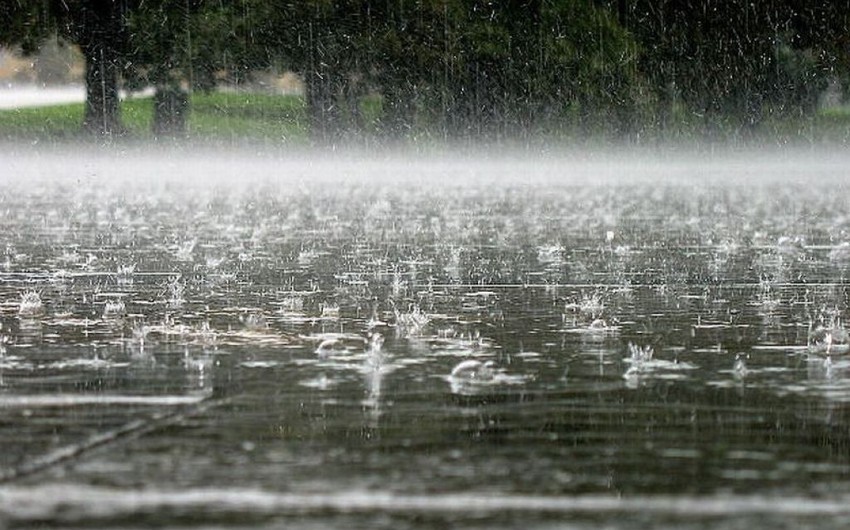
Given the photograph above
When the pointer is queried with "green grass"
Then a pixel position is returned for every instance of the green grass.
(241, 117)
(217, 116)
(52, 122)
(246, 116)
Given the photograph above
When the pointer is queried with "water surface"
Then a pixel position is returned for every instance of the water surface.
(222, 341)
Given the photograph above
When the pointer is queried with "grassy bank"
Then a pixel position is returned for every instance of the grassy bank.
(239, 117)
(217, 116)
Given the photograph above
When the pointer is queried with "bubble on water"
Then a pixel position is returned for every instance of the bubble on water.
(329, 344)
(473, 370)
(320, 382)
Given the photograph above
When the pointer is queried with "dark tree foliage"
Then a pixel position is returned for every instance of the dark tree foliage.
(26, 24)
(736, 59)
(458, 68)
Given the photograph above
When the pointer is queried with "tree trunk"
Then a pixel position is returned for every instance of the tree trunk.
(323, 107)
(101, 33)
(398, 111)
(102, 115)
(171, 107)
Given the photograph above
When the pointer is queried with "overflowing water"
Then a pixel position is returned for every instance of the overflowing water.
(229, 341)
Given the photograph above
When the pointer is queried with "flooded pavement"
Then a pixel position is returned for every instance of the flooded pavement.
(310, 348)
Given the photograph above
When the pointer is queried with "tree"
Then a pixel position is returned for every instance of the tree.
(187, 45)
(737, 61)
(162, 56)
(459, 68)
(98, 27)
(510, 69)
(327, 42)
(172, 45)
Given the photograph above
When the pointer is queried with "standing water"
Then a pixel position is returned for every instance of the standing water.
(249, 341)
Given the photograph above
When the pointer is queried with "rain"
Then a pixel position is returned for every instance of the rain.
(424, 264)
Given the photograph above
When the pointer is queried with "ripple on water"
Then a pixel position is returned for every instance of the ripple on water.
(76, 502)
(78, 400)
(812, 376)
(473, 376)
(320, 382)
(84, 363)
(260, 364)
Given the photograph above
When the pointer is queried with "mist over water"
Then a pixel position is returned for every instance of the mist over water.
(186, 165)
(629, 339)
